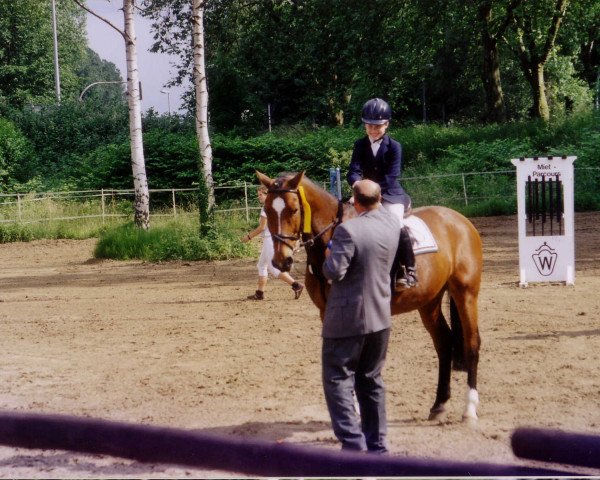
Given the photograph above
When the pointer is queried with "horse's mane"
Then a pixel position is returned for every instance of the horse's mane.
(283, 176)
(348, 209)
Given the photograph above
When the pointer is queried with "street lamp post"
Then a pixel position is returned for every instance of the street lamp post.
(168, 94)
(98, 83)
(56, 65)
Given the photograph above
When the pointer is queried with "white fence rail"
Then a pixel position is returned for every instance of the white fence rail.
(453, 189)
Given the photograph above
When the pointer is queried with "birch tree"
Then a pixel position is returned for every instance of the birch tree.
(138, 163)
(179, 23)
(207, 198)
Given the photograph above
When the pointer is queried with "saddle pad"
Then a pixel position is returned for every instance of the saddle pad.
(423, 241)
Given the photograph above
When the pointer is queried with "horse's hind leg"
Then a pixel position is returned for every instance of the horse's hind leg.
(466, 308)
(435, 323)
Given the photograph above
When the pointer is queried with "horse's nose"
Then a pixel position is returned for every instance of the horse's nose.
(288, 263)
(285, 265)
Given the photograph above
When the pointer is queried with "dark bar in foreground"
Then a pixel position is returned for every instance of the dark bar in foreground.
(557, 446)
(193, 449)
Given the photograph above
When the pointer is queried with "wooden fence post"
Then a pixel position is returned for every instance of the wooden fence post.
(174, 204)
(246, 201)
(49, 204)
(19, 206)
(102, 204)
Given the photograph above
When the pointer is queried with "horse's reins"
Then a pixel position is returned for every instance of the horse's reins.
(306, 221)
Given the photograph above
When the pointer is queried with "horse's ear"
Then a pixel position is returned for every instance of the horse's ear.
(262, 178)
(294, 182)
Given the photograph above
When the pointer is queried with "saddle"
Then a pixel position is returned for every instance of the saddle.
(422, 238)
(415, 238)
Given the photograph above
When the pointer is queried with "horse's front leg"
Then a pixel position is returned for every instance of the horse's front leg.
(317, 289)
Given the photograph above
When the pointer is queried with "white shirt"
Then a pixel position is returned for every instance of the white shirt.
(266, 232)
(375, 146)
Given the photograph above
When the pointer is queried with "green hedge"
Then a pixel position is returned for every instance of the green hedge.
(172, 156)
(15, 150)
(236, 159)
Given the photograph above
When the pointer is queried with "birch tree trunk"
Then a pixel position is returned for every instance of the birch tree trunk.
(206, 190)
(138, 164)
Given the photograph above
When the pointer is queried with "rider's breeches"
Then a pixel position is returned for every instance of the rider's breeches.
(264, 264)
(396, 209)
(405, 254)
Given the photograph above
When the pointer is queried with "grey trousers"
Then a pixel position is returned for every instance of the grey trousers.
(354, 364)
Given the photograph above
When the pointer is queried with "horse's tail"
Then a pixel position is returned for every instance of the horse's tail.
(458, 350)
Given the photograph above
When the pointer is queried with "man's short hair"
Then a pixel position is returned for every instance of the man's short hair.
(262, 189)
(367, 193)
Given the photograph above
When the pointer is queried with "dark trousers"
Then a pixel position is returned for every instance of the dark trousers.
(355, 364)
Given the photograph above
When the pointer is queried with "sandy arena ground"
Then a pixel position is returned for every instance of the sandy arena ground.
(177, 344)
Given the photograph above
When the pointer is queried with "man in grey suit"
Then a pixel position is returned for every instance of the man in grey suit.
(356, 326)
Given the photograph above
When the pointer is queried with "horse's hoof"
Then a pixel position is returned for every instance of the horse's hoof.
(435, 416)
(470, 414)
(470, 421)
(436, 413)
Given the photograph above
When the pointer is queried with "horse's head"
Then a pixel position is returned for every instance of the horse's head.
(284, 210)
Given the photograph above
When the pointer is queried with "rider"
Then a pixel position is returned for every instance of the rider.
(378, 157)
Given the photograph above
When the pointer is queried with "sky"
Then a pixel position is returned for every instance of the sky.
(155, 69)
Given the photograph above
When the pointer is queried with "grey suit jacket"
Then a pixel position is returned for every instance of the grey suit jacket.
(362, 253)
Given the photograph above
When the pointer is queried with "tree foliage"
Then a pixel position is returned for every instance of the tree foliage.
(311, 63)
(317, 61)
(15, 150)
(26, 51)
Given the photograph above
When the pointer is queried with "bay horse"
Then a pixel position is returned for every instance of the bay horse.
(301, 213)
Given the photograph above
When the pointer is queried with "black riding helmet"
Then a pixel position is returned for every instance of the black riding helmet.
(376, 112)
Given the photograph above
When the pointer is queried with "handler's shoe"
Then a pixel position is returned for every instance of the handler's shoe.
(258, 295)
(297, 288)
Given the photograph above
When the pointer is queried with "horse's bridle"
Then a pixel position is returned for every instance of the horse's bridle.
(299, 236)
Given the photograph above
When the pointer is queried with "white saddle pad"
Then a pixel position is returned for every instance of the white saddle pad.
(423, 241)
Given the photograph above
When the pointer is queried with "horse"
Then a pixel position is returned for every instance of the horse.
(300, 213)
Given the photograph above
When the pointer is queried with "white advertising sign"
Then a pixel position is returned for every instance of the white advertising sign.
(546, 219)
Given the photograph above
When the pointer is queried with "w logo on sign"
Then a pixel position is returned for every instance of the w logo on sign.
(545, 259)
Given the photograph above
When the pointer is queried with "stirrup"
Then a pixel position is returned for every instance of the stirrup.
(409, 280)
(258, 295)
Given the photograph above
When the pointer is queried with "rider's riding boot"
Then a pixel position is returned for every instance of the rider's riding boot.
(407, 262)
